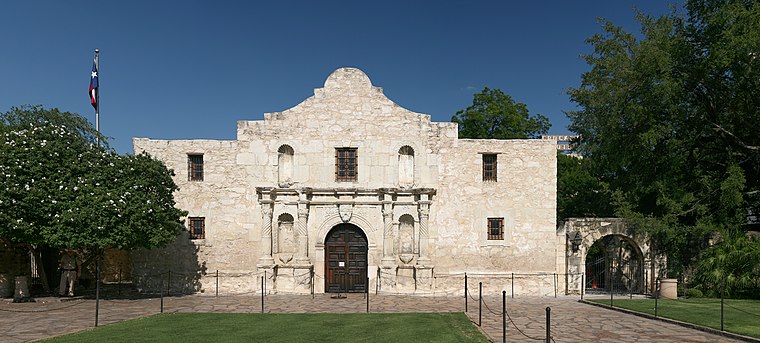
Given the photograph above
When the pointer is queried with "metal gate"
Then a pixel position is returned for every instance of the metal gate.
(614, 265)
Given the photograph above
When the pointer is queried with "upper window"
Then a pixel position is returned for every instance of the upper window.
(195, 167)
(489, 167)
(197, 227)
(406, 166)
(345, 164)
(495, 228)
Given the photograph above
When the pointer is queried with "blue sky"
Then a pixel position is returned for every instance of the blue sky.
(191, 69)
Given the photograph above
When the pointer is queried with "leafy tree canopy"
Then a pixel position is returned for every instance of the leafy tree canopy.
(671, 120)
(579, 193)
(495, 115)
(61, 189)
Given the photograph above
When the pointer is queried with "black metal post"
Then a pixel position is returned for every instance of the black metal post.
(465, 292)
(656, 296)
(513, 285)
(311, 270)
(366, 289)
(217, 282)
(262, 291)
(118, 287)
(504, 316)
(548, 324)
(169, 284)
(480, 302)
(611, 290)
(161, 291)
(97, 290)
(721, 310)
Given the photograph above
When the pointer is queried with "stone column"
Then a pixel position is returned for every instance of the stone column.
(424, 214)
(388, 259)
(266, 259)
(302, 256)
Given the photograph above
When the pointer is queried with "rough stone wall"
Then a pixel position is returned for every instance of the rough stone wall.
(349, 112)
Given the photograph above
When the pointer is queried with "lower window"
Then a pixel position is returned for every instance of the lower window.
(197, 227)
(495, 228)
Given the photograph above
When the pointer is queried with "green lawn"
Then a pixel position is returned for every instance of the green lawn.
(244, 327)
(739, 316)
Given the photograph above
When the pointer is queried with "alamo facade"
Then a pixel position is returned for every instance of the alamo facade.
(348, 192)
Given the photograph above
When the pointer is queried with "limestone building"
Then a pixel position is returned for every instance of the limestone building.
(348, 191)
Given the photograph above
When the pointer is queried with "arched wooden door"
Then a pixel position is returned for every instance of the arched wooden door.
(346, 260)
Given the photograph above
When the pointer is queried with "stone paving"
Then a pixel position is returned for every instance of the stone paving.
(571, 321)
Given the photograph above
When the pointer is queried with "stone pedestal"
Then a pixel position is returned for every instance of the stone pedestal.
(424, 279)
(293, 279)
(387, 279)
(268, 273)
(405, 279)
(669, 288)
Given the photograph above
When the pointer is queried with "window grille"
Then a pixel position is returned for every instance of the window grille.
(345, 164)
(495, 228)
(489, 167)
(195, 167)
(197, 227)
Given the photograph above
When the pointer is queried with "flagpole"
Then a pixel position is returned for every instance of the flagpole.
(97, 98)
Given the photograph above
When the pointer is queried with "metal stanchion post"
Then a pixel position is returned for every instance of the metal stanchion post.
(169, 284)
(217, 282)
(161, 291)
(513, 285)
(262, 291)
(97, 290)
(583, 285)
(465, 292)
(612, 289)
(480, 302)
(656, 296)
(366, 289)
(118, 287)
(504, 316)
(721, 310)
(548, 324)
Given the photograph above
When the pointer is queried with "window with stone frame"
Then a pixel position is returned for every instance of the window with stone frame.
(194, 167)
(495, 228)
(197, 227)
(489, 167)
(346, 167)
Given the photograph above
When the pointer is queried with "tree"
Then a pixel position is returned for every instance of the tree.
(671, 122)
(61, 189)
(495, 115)
(579, 193)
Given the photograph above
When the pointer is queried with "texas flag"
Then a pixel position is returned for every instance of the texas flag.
(94, 86)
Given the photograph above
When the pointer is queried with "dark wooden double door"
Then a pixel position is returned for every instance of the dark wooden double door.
(346, 260)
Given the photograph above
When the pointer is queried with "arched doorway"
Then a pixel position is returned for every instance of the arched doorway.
(346, 259)
(615, 264)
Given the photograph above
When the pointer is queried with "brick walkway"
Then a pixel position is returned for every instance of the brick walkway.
(571, 320)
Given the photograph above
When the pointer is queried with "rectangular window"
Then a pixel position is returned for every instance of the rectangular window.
(345, 164)
(195, 167)
(489, 167)
(197, 227)
(495, 228)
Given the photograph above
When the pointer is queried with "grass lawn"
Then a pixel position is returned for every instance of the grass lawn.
(244, 327)
(739, 316)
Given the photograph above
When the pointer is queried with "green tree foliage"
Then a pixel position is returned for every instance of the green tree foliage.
(59, 188)
(671, 120)
(579, 193)
(495, 115)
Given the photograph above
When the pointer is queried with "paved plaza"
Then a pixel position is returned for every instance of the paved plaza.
(571, 321)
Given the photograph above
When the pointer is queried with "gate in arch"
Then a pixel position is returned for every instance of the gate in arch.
(346, 249)
(608, 256)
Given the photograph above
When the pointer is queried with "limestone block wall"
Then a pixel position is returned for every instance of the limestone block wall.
(524, 195)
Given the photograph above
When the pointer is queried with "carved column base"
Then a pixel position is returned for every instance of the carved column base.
(267, 272)
(388, 262)
(424, 262)
(387, 279)
(424, 278)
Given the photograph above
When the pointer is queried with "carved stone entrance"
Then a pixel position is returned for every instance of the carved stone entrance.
(346, 260)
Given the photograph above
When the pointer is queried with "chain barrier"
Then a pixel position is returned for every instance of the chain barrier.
(485, 303)
(743, 311)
